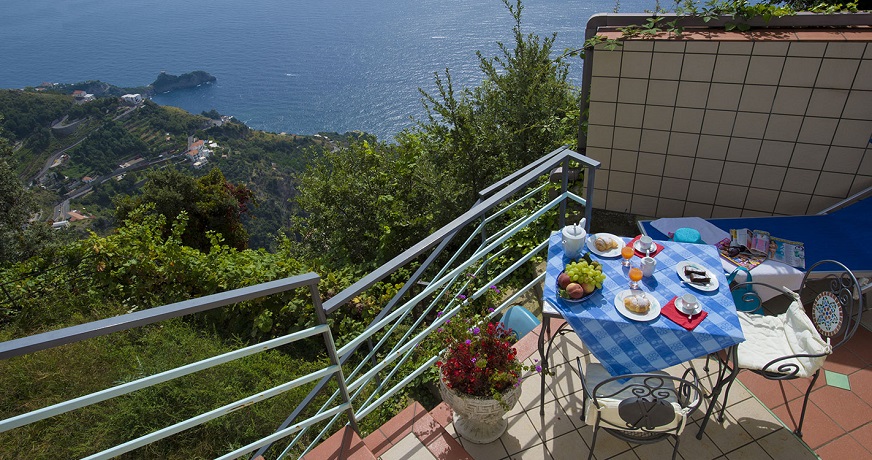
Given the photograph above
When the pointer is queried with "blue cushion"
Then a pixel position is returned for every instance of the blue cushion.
(687, 235)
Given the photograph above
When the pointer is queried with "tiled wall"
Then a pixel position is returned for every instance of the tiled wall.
(725, 127)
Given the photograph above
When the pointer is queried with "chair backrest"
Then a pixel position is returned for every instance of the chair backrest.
(649, 402)
(519, 320)
(830, 302)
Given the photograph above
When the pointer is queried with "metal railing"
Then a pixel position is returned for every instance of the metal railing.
(383, 353)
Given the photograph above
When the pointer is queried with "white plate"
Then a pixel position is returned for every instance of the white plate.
(638, 246)
(652, 313)
(711, 286)
(679, 305)
(611, 252)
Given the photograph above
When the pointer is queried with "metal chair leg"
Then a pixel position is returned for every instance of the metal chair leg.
(593, 441)
(814, 378)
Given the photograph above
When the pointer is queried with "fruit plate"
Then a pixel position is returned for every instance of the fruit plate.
(652, 313)
(563, 295)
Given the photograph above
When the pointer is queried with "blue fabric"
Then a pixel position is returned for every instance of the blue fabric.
(628, 347)
(833, 236)
(519, 320)
(687, 235)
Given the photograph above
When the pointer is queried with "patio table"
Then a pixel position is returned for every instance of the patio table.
(624, 346)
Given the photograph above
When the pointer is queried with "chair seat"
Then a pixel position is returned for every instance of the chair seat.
(768, 338)
(609, 407)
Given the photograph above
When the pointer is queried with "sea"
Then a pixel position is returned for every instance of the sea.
(291, 66)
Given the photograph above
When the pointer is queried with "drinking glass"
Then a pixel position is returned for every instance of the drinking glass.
(635, 276)
(627, 254)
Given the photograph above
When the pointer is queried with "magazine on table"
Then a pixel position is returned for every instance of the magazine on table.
(750, 248)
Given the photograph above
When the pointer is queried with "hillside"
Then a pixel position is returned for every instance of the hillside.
(83, 155)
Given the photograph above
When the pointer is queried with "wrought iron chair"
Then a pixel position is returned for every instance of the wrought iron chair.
(795, 344)
(638, 408)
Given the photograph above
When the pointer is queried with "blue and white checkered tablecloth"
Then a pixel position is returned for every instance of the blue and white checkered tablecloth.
(624, 346)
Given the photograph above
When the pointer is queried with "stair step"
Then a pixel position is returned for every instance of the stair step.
(429, 432)
(343, 445)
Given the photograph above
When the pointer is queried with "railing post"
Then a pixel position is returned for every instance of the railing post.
(564, 186)
(331, 353)
(589, 176)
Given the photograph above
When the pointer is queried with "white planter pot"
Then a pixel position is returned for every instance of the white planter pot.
(478, 419)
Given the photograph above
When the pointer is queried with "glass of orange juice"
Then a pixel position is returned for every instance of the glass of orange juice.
(635, 275)
(627, 254)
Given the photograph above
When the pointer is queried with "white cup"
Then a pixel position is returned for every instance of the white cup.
(648, 265)
(645, 243)
(689, 303)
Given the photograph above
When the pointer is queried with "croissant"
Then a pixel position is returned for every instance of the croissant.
(637, 303)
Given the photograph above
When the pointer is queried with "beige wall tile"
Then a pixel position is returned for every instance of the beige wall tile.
(662, 92)
(852, 50)
(860, 183)
(844, 159)
(606, 63)
(720, 212)
(837, 73)
(817, 130)
(791, 100)
(604, 89)
(663, 46)
(692, 94)
(770, 48)
(768, 177)
(743, 150)
(629, 115)
(702, 47)
(724, 96)
(678, 167)
(819, 203)
(864, 75)
(698, 210)
(702, 192)
(698, 67)
(627, 138)
(621, 181)
(635, 65)
(624, 160)
(737, 173)
(644, 205)
(658, 117)
(750, 125)
(761, 199)
(632, 90)
(687, 120)
(866, 164)
(674, 188)
(792, 204)
(651, 163)
(835, 185)
(809, 156)
(601, 180)
(718, 122)
(647, 185)
(868, 54)
(775, 153)
(750, 213)
(756, 98)
(743, 48)
(730, 68)
(707, 170)
(638, 45)
(859, 105)
(800, 71)
(783, 127)
(683, 144)
(713, 147)
(731, 196)
(599, 136)
(827, 102)
(617, 201)
(853, 133)
(666, 66)
(800, 180)
(764, 70)
(602, 113)
(654, 141)
(807, 49)
(670, 208)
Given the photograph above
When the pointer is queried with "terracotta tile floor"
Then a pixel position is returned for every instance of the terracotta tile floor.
(758, 422)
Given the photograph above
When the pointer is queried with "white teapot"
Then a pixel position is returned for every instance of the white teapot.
(574, 237)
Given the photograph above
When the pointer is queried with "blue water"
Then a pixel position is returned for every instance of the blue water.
(282, 65)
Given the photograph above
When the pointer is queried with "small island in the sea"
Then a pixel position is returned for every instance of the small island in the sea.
(163, 83)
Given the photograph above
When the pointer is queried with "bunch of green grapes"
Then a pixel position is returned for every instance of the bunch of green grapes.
(586, 272)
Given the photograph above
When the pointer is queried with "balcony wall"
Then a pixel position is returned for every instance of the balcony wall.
(724, 124)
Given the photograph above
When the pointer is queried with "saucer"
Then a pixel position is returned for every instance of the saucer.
(638, 246)
(680, 306)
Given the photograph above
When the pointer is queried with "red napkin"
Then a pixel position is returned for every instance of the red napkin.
(642, 254)
(670, 311)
